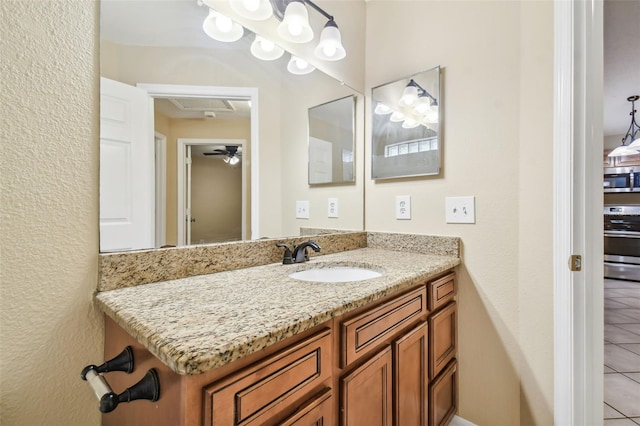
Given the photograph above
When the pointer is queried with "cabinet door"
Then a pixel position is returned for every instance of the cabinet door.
(442, 338)
(318, 412)
(444, 396)
(268, 389)
(410, 358)
(441, 291)
(366, 393)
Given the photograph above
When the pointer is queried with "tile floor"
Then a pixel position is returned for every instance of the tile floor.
(621, 353)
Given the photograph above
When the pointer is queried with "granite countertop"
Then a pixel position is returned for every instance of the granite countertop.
(200, 323)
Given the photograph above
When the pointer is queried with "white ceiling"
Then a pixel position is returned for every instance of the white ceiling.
(179, 23)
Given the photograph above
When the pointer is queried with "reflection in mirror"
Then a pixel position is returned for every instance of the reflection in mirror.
(162, 43)
(406, 137)
(331, 142)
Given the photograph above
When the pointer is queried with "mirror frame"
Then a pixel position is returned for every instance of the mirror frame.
(354, 100)
(397, 171)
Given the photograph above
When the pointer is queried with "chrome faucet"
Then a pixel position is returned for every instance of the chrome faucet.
(299, 253)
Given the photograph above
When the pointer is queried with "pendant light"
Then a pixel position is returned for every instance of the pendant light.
(330, 46)
(257, 10)
(295, 26)
(299, 66)
(633, 134)
(265, 49)
(222, 28)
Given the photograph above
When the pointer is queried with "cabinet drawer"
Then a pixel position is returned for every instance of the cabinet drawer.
(318, 412)
(363, 333)
(441, 291)
(271, 387)
(443, 391)
(442, 338)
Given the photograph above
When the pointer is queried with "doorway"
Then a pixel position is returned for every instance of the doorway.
(212, 191)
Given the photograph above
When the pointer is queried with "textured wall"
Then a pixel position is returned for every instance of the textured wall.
(49, 234)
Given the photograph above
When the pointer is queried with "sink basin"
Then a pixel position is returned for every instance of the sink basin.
(335, 274)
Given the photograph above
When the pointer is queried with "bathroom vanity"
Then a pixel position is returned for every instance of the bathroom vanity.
(256, 347)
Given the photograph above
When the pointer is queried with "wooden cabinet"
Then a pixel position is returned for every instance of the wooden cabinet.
(367, 393)
(268, 389)
(391, 362)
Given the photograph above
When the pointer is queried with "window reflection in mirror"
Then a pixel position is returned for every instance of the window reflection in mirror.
(331, 142)
(406, 137)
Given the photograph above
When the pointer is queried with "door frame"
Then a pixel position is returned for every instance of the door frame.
(239, 93)
(577, 212)
(182, 150)
(161, 188)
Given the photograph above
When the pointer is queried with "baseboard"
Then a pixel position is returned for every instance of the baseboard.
(459, 421)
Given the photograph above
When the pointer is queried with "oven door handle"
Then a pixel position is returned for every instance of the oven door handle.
(606, 234)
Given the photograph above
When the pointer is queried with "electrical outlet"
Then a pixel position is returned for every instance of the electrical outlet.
(302, 209)
(460, 209)
(332, 207)
(403, 207)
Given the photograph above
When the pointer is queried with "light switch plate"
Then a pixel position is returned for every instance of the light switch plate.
(403, 207)
(302, 209)
(460, 209)
(332, 207)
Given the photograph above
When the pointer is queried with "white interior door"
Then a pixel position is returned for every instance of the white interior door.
(126, 168)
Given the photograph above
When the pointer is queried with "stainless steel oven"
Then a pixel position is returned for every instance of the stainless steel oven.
(622, 242)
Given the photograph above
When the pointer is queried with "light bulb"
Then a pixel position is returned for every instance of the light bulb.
(251, 5)
(299, 66)
(301, 63)
(295, 28)
(224, 23)
(397, 116)
(267, 45)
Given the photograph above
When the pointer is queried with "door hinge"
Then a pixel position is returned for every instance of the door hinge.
(575, 263)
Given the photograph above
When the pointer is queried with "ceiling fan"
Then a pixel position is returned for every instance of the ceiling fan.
(232, 154)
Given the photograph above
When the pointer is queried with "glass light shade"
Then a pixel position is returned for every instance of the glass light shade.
(258, 10)
(635, 144)
(431, 116)
(409, 95)
(234, 160)
(265, 49)
(226, 159)
(295, 24)
(397, 116)
(623, 150)
(221, 28)
(410, 123)
(299, 66)
(422, 105)
(382, 109)
(330, 46)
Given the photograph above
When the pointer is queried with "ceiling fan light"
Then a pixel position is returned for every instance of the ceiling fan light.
(265, 49)
(299, 66)
(330, 46)
(257, 10)
(222, 28)
(295, 26)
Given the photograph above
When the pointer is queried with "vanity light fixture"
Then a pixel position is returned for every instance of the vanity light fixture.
(382, 109)
(295, 24)
(330, 46)
(222, 28)
(265, 49)
(258, 10)
(632, 136)
(299, 66)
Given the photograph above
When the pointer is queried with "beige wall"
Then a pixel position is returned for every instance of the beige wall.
(497, 99)
(497, 146)
(49, 327)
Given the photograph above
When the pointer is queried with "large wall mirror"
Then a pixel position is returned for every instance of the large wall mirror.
(226, 157)
(406, 137)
